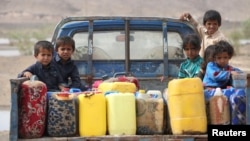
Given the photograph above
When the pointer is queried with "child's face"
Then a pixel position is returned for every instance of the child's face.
(191, 51)
(212, 26)
(65, 52)
(44, 56)
(222, 59)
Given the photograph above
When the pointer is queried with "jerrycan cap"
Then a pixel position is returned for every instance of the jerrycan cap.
(142, 91)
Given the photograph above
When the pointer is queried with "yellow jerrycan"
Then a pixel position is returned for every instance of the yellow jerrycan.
(186, 103)
(121, 113)
(92, 114)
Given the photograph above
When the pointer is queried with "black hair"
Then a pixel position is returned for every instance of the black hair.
(66, 40)
(44, 45)
(224, 46)
(208, 56)
(193, 39)
(212, 15)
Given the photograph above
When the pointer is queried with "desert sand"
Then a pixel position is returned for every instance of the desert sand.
(10, 67)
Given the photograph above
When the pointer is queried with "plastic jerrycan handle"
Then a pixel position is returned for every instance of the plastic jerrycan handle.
(91, 93)
(154, 93)
(142, 94)
(33, 78)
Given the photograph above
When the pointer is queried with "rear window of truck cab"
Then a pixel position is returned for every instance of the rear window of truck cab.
(144, 47)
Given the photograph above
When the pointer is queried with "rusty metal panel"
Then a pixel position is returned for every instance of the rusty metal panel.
(46, 139)
(201, 139)
(15, 89)
(248, 80)
(248, 100)
(127, 138)
(180, 139)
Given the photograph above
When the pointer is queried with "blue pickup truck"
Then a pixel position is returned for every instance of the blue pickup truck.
(145, 47)
(148, 48)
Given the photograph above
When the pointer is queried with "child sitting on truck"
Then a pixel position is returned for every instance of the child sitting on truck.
(43, 68)
(191, 66)
(208, 57)
(65, 46)
(219, 72)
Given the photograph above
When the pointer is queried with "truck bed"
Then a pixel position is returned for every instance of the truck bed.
(127, 138)
(15, 85)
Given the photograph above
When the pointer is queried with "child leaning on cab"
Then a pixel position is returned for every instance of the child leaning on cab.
(209, 31)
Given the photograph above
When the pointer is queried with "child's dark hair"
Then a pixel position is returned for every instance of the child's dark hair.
(224, 46)
(44, 45)
(212, 15)
(65, 41)
(208, 56)
(193, 39)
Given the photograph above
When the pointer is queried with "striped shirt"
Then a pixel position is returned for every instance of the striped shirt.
(190, 68)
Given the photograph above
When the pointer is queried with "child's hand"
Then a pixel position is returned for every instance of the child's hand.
(63, 87)
(234, 72)
(186, 17)
(162, 78)
(27, 74)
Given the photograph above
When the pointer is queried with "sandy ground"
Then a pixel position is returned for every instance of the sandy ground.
(4, 135)
(10, 67)
(28, 13)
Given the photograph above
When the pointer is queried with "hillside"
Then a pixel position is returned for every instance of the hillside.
(15, 13)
